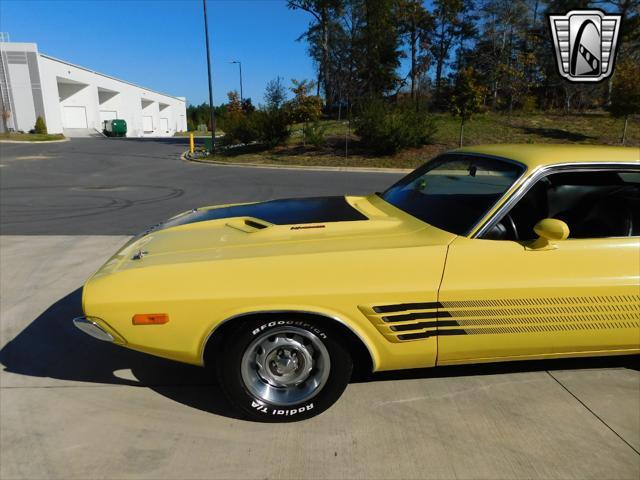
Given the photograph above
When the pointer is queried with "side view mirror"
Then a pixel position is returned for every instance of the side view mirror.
(549, 230)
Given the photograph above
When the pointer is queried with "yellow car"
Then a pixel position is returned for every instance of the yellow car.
(484, 254)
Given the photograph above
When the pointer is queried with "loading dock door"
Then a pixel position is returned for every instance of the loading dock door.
(74, 117)
(107, 115)
(147, 124)
(164, 125)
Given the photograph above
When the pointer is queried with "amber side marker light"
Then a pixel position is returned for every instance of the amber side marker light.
(150, 318)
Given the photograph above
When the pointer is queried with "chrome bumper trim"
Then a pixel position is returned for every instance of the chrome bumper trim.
(91, 328)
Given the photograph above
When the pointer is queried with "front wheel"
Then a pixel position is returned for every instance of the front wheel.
(283, 370)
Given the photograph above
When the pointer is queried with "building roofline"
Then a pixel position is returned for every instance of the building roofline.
(182, 99)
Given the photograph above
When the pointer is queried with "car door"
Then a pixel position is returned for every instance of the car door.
(502, 299)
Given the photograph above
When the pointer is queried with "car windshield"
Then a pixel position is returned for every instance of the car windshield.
(454, 191)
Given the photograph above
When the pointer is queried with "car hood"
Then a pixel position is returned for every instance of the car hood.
(276, 228)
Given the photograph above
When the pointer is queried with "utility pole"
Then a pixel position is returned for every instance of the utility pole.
(240, 65)
(213, 115)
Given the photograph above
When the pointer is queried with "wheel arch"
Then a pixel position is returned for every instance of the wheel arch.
(360, 347)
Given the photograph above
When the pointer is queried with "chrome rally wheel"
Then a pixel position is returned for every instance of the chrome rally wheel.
(284, 369)
(286, 366)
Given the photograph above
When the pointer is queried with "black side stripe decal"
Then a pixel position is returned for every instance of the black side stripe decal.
(400, 307)
(416, 316)
(419, 325)
(432, 333)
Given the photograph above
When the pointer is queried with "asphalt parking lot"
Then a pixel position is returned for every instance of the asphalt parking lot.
(73, 407)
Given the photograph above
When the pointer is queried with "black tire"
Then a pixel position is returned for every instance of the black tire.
(234, 352)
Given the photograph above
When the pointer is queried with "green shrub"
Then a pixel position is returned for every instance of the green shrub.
(40, 127)
(270, 127)
(240, 129)
(274, 126)
(314, 133)
(387, 129)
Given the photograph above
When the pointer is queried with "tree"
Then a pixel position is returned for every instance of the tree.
(304, 107)
(450, 21)
(346, 56)
(40, 126)
(416, 26)
(233, 105)
(379, 48)
(247, 105)
(322, 11)
(275, 94)
(500, 59)
(467, 97)
(625, 93)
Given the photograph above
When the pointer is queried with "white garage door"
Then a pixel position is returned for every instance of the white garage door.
(147, 124)
(75, 117)
(164, 125)
(107, 115)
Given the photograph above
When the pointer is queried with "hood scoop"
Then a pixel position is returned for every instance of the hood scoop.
(248, 225)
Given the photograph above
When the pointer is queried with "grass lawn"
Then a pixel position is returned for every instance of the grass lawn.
(342, 147)
(31, 137)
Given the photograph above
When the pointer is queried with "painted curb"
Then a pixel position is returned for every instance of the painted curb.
(35, 142)
(317, 168)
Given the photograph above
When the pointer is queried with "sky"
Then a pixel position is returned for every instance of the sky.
(160, 44)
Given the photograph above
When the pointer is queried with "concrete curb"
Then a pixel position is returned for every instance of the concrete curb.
(317, 168)
(35, 142)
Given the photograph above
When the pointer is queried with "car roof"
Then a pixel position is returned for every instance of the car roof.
(534, 156)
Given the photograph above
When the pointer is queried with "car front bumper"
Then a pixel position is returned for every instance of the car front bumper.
(91, 327)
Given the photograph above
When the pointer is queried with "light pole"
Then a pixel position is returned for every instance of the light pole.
(239, 65)
(213, 115)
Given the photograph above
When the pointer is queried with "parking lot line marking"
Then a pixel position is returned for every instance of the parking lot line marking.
(593, 413)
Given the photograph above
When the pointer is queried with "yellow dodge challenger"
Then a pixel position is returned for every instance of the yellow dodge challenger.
(483, 254)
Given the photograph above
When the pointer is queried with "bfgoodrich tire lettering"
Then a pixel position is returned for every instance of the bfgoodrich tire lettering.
(283, 369)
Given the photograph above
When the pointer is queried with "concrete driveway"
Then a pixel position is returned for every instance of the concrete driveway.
(73, 407)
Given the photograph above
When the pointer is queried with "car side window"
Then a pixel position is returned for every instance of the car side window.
(596, 204)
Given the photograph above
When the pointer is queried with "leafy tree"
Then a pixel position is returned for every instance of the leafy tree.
(450, 22)
(625, 93)
(234, 106)
(40, 126)
(379, 45)
(416, 28)
(500, 58)
(247, 105)
(467, 97)
(323, 11)
(305, 107)
(200, 115)
(275, 94)
(347, 53)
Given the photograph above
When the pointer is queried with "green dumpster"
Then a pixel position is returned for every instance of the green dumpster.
(115, 128)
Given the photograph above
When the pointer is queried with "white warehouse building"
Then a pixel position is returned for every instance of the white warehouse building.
(76, 101)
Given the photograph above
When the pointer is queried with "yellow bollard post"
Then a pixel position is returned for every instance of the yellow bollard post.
(191, 143)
